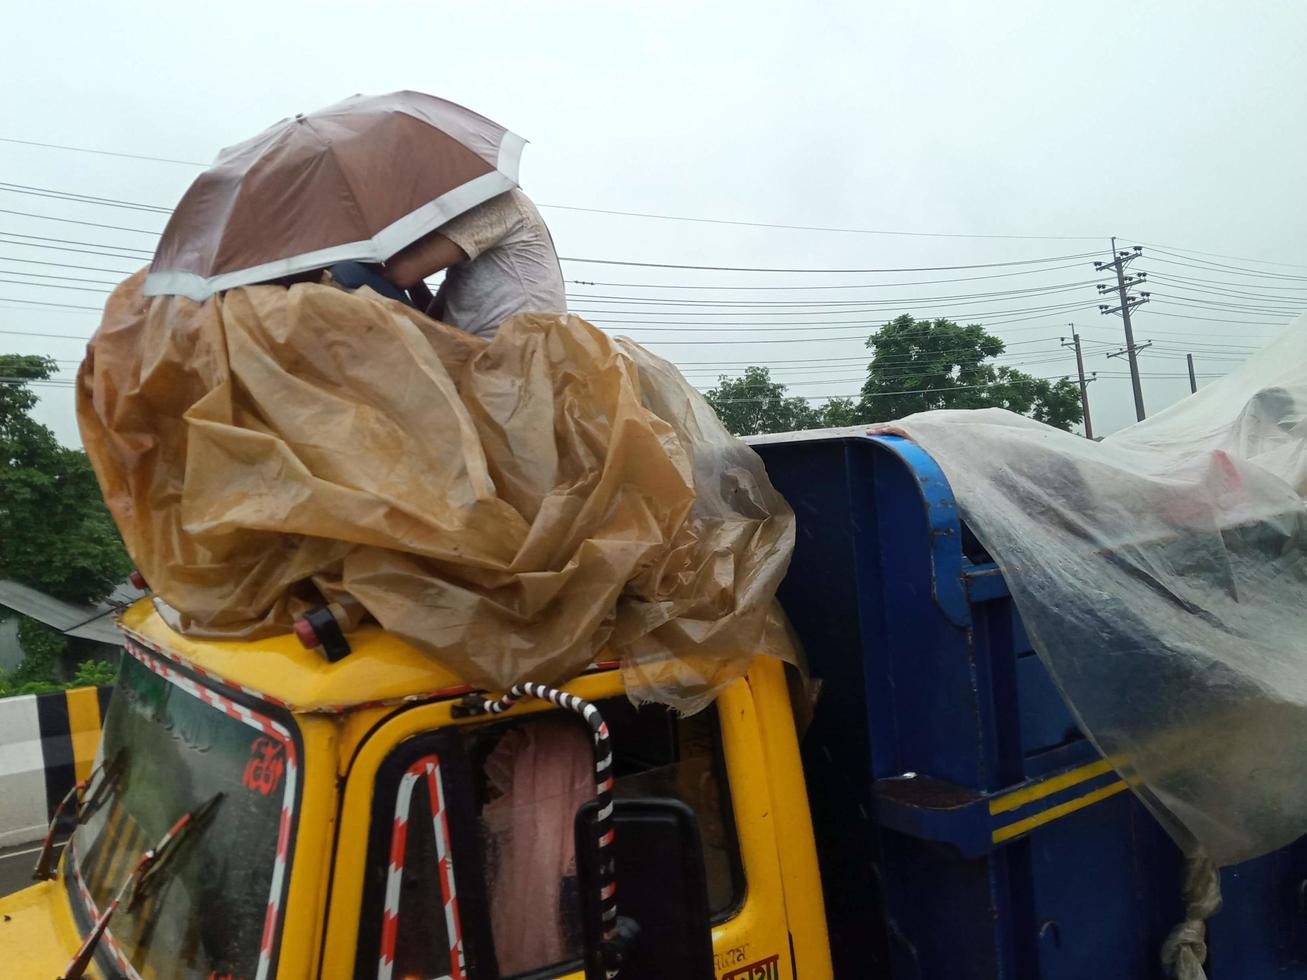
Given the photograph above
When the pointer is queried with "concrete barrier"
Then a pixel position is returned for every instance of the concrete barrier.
(47, 743)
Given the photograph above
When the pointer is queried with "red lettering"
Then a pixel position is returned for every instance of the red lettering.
(264, 770)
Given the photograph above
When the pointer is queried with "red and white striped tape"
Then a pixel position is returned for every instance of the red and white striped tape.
(325, 709)
(141, 641)
(427, 771)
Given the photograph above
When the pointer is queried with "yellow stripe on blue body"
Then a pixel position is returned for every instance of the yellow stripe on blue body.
(1045, 788)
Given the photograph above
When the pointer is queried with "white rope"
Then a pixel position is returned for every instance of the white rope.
(1185, 950)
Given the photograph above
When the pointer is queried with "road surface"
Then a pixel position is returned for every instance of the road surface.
(16, 864)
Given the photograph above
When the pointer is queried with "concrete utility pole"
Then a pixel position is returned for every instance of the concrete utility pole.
(1084, 384)
(1128, 302)
(1193, 381)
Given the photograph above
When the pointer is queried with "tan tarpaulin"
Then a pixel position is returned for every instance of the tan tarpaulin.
(509, 506)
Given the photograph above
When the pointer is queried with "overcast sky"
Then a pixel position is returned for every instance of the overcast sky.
(1178, 124)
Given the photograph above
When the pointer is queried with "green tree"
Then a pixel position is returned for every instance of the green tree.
(920, 365)
(839, 412)
(754, 403)
(56, 534)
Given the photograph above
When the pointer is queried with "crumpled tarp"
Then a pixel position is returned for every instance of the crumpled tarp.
(1162, 576)
(512, 507)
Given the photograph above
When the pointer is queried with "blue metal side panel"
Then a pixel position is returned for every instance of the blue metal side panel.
(1045, 720)
(938, 728)
(1261, 930)
(1102, 903)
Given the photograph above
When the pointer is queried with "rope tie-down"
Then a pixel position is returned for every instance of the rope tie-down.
(1185, 950)
(616, 932)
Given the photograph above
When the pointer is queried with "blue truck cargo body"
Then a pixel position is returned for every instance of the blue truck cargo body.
(965, 826)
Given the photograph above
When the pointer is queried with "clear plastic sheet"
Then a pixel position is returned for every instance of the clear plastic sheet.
(1162, 577)
(511, 507)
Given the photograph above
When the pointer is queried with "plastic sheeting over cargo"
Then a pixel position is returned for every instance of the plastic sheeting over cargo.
(512, 507)
(1162, 576)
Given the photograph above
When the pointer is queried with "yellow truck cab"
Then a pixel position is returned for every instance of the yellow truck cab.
(304, 818)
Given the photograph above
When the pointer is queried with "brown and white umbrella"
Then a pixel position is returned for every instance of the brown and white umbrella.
(358, 180)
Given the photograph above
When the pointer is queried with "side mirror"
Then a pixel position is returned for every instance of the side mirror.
(662, 892)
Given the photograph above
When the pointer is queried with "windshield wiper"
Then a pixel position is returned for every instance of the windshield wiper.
(111, 774)
(166, 849)
(143, 877)
(109, 771)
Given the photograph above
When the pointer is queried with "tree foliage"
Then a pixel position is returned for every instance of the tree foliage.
(754, 403)
(56, 534)
(915, 366)
(920, 365)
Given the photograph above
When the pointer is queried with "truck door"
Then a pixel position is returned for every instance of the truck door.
(455, 854)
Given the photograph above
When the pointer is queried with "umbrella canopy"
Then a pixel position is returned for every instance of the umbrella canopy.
(358, 180)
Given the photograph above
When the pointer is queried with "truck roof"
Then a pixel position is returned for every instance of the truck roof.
(381, 668)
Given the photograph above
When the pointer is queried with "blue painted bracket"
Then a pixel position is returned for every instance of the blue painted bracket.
(945, 526)
(977, 823)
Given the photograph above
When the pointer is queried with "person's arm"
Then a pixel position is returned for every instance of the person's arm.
(426, 256)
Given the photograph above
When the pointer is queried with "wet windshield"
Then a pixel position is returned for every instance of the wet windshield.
(180, 746)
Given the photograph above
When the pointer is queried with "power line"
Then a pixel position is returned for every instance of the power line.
(863, 313)
(1204, 265)
(68, 241)
(74, 221)
(846, 231)
(42, 275)
(886, 394)
(60, 382)
(1237, 258)
(111, 202)
(1206, 304)
(50, 336)
(1176, 277)
(65, 265)
(59, 248)
(677, 326)
(1206, 344)
(855, 285)
(55, 285)
(750, 305)
(880, 374)
(1217, 319)
(913, 359)
(983, 265)
(103, 153)
(736, 268)
(831, 363)
(1192, 291)
(39, 302)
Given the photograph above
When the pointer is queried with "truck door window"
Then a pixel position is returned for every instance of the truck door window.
(419, 934)
(531, 774)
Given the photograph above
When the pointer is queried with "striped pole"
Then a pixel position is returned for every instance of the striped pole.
(425, 769)
(43, 870)
(603, 784)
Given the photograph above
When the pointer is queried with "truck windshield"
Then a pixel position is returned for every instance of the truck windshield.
(216, 911)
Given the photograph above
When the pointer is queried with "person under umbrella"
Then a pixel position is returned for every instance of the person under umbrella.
(415, 182)
(498, 260)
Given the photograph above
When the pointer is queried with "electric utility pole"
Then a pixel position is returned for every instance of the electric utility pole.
(1193, 381)
(1084, 384)
(1127, 303)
